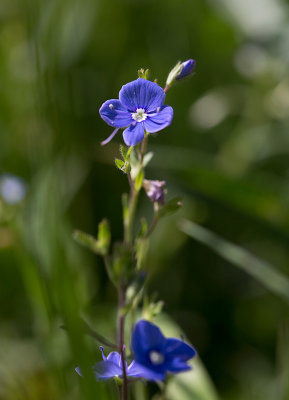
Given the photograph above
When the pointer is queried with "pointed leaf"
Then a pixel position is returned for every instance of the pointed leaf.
(171, 207)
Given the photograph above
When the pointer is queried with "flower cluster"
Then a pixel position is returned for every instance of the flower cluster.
(154, 356)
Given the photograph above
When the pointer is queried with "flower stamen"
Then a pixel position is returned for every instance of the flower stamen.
(139, 115)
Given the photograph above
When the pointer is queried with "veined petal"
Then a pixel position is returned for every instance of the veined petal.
(114, 114)
(134, 134)
(106, 370)
(178, 349)
(146, 337)
(114, 357)
(159, 120)
(142, 93)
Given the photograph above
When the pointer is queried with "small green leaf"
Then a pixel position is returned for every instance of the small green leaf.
(139, 180)
(143, 73)
(104, 236)
(119, 163)
(147, 158)
(126, 152)
(171, 207)
(101, 244)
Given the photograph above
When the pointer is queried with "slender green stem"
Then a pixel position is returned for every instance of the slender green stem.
(152, 227)
(133, 198)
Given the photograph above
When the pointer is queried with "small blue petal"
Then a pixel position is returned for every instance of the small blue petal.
(175, 348)
(146, 337)
(142, 94)
(134, 134)
(115, 358)
(188, 67)
(177, 366)
(114, 114)
(159, 120)
(106, 370)
(78, 370)
(134, 370)
(149, 374)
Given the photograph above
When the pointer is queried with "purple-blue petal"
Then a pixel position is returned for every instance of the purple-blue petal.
(176, 366)
(178, 349)
(106, 370)
(142, 93)
(114, 114)
(114, 357)
(148, 373)
(134, 134)
(146, 337)
(188, 67)
(134, 370)
(159, 120)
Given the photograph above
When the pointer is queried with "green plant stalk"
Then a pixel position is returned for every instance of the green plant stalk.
(128, 238)
(133, 198)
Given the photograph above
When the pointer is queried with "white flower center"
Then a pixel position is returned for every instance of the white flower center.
(156, 358)
(139, 115)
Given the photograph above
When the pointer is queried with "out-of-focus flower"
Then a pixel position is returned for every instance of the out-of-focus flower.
(155, 355)
(111, 367)
(180, 71)
(155, 190)
(140, 108)
(12, 188)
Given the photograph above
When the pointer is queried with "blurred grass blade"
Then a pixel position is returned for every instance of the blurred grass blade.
(91, 332)
(193, 385)
(282, 382)
(270, 277)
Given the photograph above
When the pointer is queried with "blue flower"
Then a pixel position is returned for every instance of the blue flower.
(155, 355)
(12, 188)
(140, 108)
(187, 69)
(111, 367)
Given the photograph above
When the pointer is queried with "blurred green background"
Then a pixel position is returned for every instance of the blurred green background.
(226, 153)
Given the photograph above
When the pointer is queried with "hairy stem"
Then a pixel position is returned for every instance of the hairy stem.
(123, 393)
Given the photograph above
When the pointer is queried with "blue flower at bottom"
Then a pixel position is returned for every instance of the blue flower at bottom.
(140, 108)
(155, 355)
(111, 367)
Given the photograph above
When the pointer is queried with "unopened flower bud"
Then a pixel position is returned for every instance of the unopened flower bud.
(188, 67)
(180, 71)
(155, 190)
